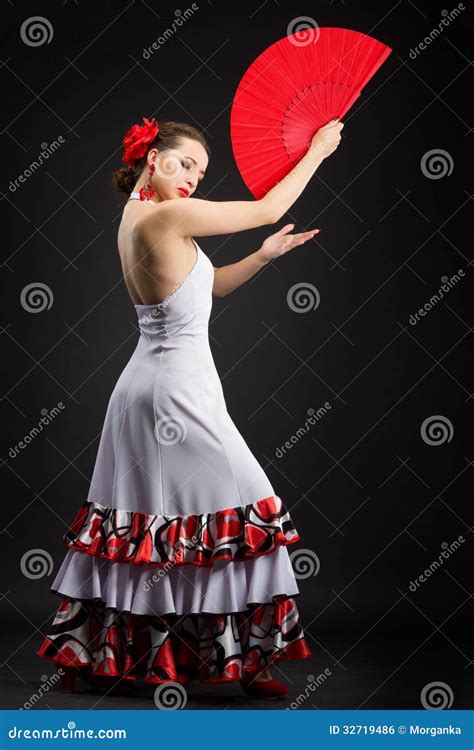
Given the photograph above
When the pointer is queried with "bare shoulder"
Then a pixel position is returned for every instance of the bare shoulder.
(196, 217)
(167, 216)
(155, 236)
(153, 228)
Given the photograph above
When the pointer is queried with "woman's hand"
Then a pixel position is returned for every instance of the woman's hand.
(281, 242)
(327, 138)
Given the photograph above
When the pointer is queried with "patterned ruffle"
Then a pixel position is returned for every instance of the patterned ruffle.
(213, 648)
(233, 533)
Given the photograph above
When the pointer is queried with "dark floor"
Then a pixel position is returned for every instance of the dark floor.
(379, 672)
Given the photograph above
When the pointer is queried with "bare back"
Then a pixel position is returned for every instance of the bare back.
(152, 273)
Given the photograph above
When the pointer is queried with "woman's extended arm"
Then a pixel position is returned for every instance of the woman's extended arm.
(202, 218)
(227, 278)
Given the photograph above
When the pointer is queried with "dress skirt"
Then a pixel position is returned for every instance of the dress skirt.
(177, 566)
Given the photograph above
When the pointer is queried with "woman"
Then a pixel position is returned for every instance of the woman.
(177, 566)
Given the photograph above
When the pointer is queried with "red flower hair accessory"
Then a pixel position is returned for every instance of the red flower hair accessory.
(136, 140)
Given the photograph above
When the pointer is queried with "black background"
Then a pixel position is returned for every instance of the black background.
(367, 494)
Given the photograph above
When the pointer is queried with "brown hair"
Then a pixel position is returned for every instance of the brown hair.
(169, 135)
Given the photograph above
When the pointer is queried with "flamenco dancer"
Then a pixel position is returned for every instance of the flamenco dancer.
(177, 565)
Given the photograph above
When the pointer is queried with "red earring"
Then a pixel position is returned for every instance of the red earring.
(147, 191)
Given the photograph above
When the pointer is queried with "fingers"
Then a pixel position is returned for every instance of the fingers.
(334, 123)
(302, 237)
(285, 229)
(309, 233)
(329, 124)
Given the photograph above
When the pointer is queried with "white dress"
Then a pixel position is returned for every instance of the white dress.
(177, 566)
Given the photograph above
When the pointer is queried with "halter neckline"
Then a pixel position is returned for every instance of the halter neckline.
(135, 195)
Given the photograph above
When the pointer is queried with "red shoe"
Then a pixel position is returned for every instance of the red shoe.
(68, 678)
(264, 688)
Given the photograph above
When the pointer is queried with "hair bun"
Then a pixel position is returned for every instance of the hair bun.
(124, 180)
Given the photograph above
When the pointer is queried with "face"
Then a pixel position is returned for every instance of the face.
(179, 171)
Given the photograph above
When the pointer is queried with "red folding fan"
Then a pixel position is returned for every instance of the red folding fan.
(292, 89)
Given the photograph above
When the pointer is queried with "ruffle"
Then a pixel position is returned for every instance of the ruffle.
(224, 587)
(236, 534)
(213, 648)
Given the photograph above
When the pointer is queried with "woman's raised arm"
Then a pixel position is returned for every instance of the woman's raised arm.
(202, 218)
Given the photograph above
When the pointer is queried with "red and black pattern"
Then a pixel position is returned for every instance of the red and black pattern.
(233, 533)
(213, 648)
